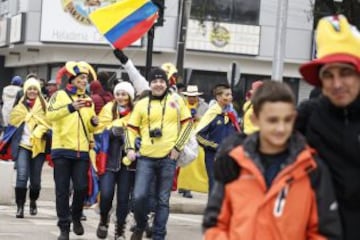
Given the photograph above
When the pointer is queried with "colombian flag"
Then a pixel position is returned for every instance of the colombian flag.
(5, 149)
(93, 187)
(102, 143)
(125, 22)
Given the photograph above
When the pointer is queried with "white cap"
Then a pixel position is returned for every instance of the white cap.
(127, 87)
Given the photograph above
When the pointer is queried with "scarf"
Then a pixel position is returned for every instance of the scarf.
(215, 110)
(30, 102)
(123, 111)
(74, 90)
(193, 108)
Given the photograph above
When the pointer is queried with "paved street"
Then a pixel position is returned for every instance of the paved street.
(43, 226)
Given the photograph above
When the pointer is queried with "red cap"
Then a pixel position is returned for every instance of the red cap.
(310, 70)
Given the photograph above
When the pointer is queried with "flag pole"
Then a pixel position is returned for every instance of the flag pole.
(149, 51)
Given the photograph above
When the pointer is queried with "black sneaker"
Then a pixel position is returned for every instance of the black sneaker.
(64, 235)
(78, 228)
(83, 217)
(187, 194)
(137, 235)
(119, 232)
(102, 230)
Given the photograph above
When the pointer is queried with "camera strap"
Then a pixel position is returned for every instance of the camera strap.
(81, 119)
(162, 114)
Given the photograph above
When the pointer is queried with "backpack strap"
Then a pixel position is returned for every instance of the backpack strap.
(81, 119)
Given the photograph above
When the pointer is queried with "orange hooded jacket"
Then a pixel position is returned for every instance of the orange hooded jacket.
(299, 205)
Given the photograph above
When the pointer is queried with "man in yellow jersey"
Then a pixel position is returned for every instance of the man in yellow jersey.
(163, 122)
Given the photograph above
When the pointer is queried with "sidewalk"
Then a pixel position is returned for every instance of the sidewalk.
(178, 204)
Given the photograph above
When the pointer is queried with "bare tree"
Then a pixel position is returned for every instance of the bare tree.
(349, 8)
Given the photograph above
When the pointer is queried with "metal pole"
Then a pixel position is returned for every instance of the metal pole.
(280, 41)
(149, 51)
(232, 82)
(184, 16)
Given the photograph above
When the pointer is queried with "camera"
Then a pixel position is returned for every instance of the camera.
(155, 133)
(88, 103)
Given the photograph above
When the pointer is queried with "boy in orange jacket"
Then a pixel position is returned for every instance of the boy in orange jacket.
(283, 191)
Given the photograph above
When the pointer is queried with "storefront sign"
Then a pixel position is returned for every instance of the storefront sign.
(66, 21)
(223, 37)
(3, 32)
(16, 28)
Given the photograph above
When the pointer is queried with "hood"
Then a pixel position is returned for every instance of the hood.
(96, 88)
(11, 91)
(296, 145)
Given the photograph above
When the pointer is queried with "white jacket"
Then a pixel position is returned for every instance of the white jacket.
(138, 80)
(8, 98)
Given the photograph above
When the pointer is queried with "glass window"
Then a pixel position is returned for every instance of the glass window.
(233, 11)
(294, 85)
(246, 12)
(206, 81)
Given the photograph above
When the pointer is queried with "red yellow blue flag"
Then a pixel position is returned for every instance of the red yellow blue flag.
(124, 22)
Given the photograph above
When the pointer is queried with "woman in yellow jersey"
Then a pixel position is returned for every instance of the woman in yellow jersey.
(28, 144)
(111, 135)
(73, 119)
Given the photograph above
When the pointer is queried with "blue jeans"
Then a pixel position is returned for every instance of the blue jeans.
(27, 167)
(124, 180)
(209, 164)
(64, 170)
(162, 171)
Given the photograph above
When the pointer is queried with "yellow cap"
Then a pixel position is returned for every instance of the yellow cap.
(335, 35)
(169, 68)
(337, 42)
(76, 68)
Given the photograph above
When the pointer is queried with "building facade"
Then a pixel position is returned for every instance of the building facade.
(41, 35)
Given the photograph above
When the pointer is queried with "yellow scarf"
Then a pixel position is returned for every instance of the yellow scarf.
(106, 119)
(210, 114)
(36, 121)
(191, 106)
(33, 116)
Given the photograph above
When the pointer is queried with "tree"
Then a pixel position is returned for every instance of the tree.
(348, 8)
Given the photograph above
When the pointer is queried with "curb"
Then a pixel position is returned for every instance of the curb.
(186, 208)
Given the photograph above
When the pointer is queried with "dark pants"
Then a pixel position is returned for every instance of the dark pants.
(29, 168)
(209, 164)
(64, 170)
(350, 222)
(148, 170)
(124, 180)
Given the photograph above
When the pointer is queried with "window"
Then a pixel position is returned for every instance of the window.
(232, 11)
(206, 81)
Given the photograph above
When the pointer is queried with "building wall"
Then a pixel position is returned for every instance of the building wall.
(36, 55)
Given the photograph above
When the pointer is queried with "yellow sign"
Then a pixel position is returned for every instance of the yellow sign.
(220, 37)
(80, 9)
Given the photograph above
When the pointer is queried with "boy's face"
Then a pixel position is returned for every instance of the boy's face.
(225, 98)
(275, 121)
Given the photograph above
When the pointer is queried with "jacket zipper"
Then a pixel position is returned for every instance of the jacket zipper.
(78, 139)
(346, 116)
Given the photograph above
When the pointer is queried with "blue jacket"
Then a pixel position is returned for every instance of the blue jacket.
(213, 127)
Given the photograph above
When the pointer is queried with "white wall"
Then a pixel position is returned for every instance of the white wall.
(298, 45)
(299, 29)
